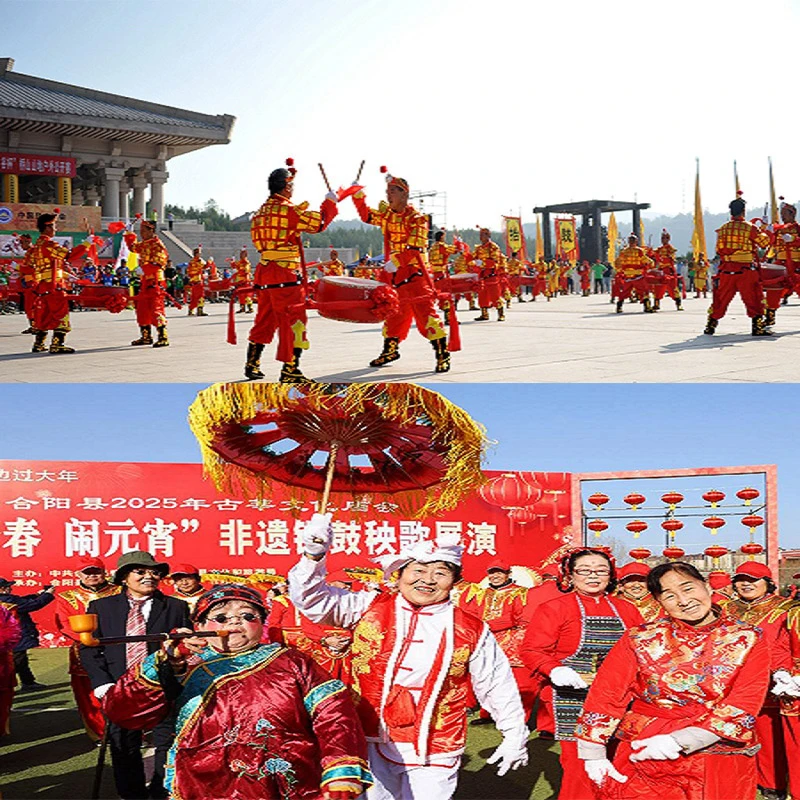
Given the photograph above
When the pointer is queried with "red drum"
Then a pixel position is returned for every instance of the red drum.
(354, 299)
(774, 275)
(463, 283)
(110, 298)
(221, 285)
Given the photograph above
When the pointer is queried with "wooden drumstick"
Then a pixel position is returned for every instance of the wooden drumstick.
(325, 177)
(329, 477)
(358, 177)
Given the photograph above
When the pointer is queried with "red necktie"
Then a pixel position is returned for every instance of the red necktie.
(135, 626)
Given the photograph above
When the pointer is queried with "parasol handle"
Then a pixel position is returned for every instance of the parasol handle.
(358, 177)
(324, 177)
(326, 492)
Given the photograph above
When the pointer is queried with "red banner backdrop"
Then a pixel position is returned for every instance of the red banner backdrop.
(54, 512)
(27, 164)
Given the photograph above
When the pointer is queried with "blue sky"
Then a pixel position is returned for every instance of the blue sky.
(571, 428)
(502, 105)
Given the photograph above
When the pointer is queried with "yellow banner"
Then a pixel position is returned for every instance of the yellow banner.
(515, 239)
(566, 246)
(539, 241)
(613, 235)
(699, 233)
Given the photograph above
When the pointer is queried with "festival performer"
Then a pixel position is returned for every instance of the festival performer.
(567, 641)
(333, 267)
(700, 279)
(139, 608)
(51, 307)
(757, 602)
(27, 280)
(211, 268)
(188, 587)
(553, 279)
(786, 245)
(153, 258)
(697, 678)
(195, 276)
(516, 269)
(502, 606)
(285, 622)
(414, 656)
(586, 278)
(489, 259)
(790, 701)
(330, 647)
(738, 242)
(405, 235)
(438, 256)
(280, 281)
(632, 267)
(254, 720)
(664, 258)
(243, 276)
(363, 269)
(92, 585)
(460, 266)
(632, 587)
(10, 636)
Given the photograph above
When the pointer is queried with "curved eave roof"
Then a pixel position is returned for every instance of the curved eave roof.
(34, 104)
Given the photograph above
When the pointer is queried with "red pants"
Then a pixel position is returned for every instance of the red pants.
(747, 283)
(791, 741)
(150, 306)
(196, 292)
(417, 304)
(88, 704)
(545, 721)
(282, 311)
(771, 763)
(51, 312)
(489, 293)
(29, 298)
(627, 285)
(695, 777)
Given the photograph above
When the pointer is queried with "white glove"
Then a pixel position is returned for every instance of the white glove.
(332, 197)
(478, 262)
(101, 691)
(566, 676)
(601, 768)
(510, 756)
(787, 237)
(317, 535)
(390, 265)
(657, 748)
(785, 684)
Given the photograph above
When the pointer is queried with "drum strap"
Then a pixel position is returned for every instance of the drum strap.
(278, 285)
(408, 279)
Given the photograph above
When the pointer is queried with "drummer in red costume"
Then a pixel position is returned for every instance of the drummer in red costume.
(786, 244)
(756, 602)
(195, 275)
(27, 279)
(333, 267)
(489, 259)
(631, 269)
(405, 234)
(438, 257)
(738, 242)
(502, 606)
(188, 587)
(281, 296)
(284, 623)
(415, 655)
(696, 678)
(51, 307)
(567, 641)
(664, 258)
(153, 258)
(243, 276)
(633, 588)
(93, 584)
(460, 266)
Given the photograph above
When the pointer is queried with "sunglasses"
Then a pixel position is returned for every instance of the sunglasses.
(222, 619)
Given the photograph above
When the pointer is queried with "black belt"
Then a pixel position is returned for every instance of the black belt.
(278, 285)
(408, 279)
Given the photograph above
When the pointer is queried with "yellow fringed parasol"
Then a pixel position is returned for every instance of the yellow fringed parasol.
(355, 439)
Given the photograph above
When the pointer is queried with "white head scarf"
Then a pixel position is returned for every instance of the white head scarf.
(445, 548)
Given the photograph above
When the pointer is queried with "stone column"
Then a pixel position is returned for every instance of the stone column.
(637, 223)
(113, 176)
(547, 236)
(92, 195)
(64, 191)
(124, 199)
(157, 181)
(139, 185)
(597, 233)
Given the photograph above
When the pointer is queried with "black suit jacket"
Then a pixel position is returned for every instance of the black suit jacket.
(107, 664)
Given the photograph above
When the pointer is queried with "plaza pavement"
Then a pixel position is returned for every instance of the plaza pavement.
(569, 340)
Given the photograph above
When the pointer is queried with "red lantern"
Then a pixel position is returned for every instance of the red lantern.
(715, 552)
(748, 494)
(639, 553)
(751, 550)
(752, 521)
(713, 524)
(672, 499)
(634, 500)
(524, 515)
(598, 526)
(636, 527)
(672, 525)
(714, 496)
(672, 552)
(509, 491)
(598, 500)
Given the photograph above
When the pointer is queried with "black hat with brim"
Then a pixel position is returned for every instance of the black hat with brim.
(137, 558)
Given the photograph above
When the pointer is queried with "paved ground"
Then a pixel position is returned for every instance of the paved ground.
(569, 340)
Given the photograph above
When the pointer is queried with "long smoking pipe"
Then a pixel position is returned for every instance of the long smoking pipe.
(86, 624)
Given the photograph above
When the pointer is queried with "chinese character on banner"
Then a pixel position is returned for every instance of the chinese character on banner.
(411, 532)
(121, 533)
(82, 537)
(236, 535)
(23, 537)
(380, 538)
(566, 240)
(482, 538)
(346, 538)
(273, 538)
(515, 237)
(159, 536)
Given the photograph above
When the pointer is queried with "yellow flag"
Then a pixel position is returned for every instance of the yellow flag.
(613, 234)
(539, 241)
(774, 217)
(132, 261)
(641, 232)
(699, 234)
(736, 180)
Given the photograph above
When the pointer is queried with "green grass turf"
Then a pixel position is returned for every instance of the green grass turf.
(48, 754)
